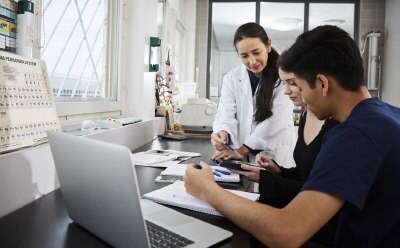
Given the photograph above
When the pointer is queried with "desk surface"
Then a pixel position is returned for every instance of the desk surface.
(45, 222)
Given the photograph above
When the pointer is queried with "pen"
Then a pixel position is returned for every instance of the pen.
(233, 150)
(197, 166)
(223, 171)
(275, 163)
(216, 173)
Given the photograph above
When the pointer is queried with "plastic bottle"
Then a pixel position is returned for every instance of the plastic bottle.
(25, 28)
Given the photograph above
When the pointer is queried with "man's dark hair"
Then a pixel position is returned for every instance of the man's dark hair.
(270, 73)
(329, 50)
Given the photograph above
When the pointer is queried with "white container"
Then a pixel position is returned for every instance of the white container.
(25, 28)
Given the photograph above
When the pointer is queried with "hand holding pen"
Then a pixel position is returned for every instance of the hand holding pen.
(235, 151)
(199, 180)
(227, 153)
(219, 139)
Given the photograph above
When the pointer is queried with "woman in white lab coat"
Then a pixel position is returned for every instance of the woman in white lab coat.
(253, 112)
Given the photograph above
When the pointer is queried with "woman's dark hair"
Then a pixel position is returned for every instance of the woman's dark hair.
(269, 75)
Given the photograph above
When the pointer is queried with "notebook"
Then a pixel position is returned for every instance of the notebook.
(101, 194)
(175, 195)
(176, 172)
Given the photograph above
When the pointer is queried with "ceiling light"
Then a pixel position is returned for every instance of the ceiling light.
(285, 24)
(334, 22)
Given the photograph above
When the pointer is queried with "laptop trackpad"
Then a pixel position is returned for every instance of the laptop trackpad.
(165, 218)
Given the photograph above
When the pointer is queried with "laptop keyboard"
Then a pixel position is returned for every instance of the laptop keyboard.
(161, 237)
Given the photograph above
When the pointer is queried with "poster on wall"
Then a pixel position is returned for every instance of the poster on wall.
(27, 109)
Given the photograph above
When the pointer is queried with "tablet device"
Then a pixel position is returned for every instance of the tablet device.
(232, 164)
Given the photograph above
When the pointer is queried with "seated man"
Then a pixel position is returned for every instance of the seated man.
(357, 171)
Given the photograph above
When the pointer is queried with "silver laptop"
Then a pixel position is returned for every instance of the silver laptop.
(101, 194)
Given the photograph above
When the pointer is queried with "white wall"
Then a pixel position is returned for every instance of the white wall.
(25, 176)
(391, 85)
(141, 24)
(28, 174)
(190, 41)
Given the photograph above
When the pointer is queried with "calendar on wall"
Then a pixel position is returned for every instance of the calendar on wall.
(27, 109)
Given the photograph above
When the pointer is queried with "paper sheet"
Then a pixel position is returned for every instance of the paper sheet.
(162, 158)
(175, 195)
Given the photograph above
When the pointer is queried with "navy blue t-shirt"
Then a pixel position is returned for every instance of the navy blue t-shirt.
(359, 162)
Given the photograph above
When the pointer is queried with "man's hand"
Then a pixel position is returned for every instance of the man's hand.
(198, 182)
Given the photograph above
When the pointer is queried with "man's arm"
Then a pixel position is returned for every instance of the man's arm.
(287, 227)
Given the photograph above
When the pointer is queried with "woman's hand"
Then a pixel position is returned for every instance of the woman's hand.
(225, 155)
(267, 163)
(219, 140)
(252, 173)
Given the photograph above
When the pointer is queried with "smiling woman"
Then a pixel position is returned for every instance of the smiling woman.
(253, 114)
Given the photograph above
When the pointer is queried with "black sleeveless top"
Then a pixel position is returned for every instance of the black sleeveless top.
(305, 155)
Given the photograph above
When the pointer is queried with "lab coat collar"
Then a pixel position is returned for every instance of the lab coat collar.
(243, 79)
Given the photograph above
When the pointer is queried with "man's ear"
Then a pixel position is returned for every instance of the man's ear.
(322, 83)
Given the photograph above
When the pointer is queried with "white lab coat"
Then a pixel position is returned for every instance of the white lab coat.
(235, 111)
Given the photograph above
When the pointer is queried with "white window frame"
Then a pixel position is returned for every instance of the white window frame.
(72, 110)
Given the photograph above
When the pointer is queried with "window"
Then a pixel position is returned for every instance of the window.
(337, 14)
(178, 54)
(80, 44)
(283, 21)
(223, 56)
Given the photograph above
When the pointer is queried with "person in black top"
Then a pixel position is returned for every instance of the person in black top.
(279, 185)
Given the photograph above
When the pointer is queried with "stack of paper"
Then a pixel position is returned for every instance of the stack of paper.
(175, 195)
(161, 158)
(176, 172)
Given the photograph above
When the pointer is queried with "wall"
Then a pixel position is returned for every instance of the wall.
(28, 174)
(391, 86)
(201, 45)
(190, 41)
(141, 24)
(25, 176)
(372, 18)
